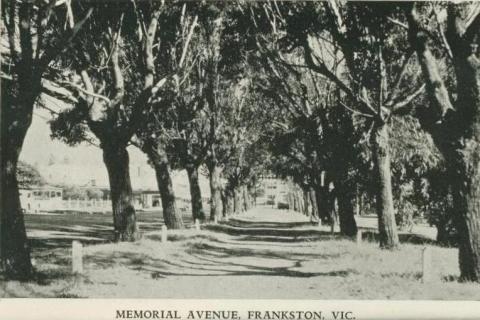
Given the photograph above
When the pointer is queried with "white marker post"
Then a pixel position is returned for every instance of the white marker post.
(215, 220)
(427, 265)
(197, 224)
(164, 234)
(77, 257)
(359, 236)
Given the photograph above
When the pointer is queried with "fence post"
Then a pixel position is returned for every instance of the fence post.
(77, 257)
(427, 265)
(359, 236)
(197, 224)
(164, 234)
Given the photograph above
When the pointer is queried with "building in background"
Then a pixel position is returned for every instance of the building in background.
(36, 199)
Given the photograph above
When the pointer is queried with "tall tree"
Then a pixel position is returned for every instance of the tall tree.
(454, 123)
(35, 40)
(111, 99)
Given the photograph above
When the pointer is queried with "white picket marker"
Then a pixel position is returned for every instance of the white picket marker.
(359, 236)
(77, 257)
(197, 224)
(427, 275)
(164, 234)
(215, 220)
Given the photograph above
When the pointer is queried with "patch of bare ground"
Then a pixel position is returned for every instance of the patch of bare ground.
(263, 254)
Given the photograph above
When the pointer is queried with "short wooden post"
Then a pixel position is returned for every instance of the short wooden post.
(77, 257)
(197, 224)
(427, 265)
(215, 220)
(164, 233)
(359, 236)
(319, 223)
(332, 227)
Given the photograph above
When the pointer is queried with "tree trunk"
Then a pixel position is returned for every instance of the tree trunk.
(313, 200)
(116, 160)
(323, 204)
(14, 246)
(345, 194)
(16, 118)
(228, 206)
(384, 199)
(158, 157)
(306, 206)
(237, 200)
(246, 198)
(456, 131)
(215, 193)
(195, 193)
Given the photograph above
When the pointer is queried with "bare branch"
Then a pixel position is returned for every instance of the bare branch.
(400, 106)
(472, 25)
(87, 92)
(398, 23)
(442, 34)
(396, 86)
(435, 85)
(187, 42)
(321, 68)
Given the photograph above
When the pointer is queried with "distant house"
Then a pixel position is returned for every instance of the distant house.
(36, 199)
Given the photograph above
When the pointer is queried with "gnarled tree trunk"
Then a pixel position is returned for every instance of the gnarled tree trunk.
(16, 117)
(215, 193)
(116, 160)
(195, 193)
(158, 157)
(456, 129)
(387, 226)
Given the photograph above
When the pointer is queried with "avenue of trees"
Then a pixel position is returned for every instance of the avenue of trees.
(362, 107)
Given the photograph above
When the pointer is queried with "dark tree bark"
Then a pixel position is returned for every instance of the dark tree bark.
(15, 251)
(158, 157)
(313, 200)
(116, 160)
(195, 193)
(215, 192)
(345, 194)
(323, 202)
(387, 227)
(455, 128)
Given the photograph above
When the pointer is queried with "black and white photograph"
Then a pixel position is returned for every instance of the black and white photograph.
(240, 149)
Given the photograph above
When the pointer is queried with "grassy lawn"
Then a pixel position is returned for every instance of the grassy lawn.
(263, 254)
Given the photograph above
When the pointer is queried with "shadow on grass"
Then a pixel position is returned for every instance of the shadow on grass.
(278, 233)
(372, 235)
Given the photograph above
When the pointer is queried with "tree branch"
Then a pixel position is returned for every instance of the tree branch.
(66, 41)
(399, 106)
